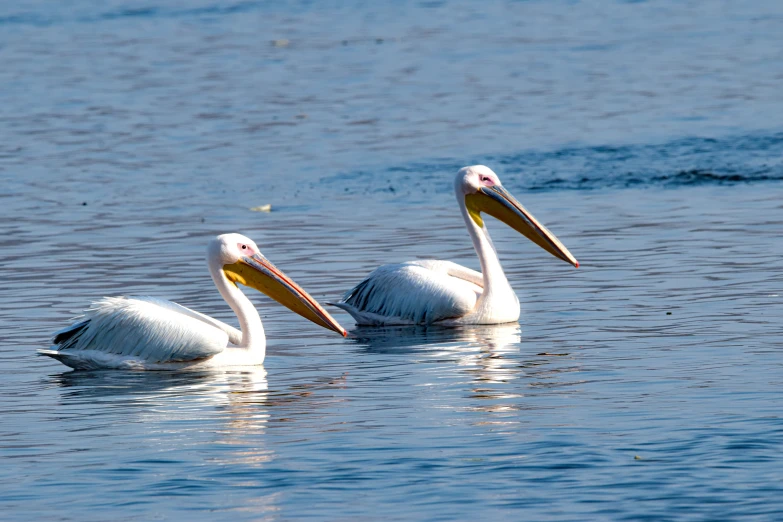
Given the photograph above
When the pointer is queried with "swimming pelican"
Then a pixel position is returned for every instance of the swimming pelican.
(442, 292)
(145, 333)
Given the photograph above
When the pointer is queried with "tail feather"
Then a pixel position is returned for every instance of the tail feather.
(363, 318)
(344, 306)
(65, 358)
(69, 336)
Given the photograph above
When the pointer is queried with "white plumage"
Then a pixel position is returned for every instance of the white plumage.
(442, 292)
(154, 334)
(139, 331)
(416, 292)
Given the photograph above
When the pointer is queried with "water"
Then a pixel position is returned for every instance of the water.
(646, 135)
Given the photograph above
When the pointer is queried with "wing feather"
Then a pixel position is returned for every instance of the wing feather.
(152, 330)
(417, 292)
(234, 335)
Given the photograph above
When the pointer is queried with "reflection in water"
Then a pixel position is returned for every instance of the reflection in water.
(501, 375)
(235, 406)
(400, 339)
(238, 397)
(144, 386)
(482, 350)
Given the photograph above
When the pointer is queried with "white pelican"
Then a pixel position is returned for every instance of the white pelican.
(145, 333)
(442, 292)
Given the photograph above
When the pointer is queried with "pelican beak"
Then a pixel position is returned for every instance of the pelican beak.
(499, 203)
(258, 272)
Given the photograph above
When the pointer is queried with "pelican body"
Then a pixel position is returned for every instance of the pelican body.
(442, 292)
(146, 333)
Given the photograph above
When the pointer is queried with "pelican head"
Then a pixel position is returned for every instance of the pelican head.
(242, 263)
(483, 192)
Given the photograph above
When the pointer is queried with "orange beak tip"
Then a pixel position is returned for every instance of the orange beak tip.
(576, 264)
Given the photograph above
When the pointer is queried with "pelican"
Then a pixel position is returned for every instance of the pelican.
(442, 292)
(146, 333)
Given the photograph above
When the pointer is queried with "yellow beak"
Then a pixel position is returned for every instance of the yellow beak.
(497, 202)
(259, 273)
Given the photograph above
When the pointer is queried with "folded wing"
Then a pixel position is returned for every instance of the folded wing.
(144, 328)
(417, 292)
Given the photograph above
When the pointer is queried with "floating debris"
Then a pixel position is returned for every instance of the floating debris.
(637, 457)
(262, 208)
(282, 42)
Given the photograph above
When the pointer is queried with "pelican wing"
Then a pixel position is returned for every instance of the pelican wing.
(461, 272)
(234, 335)
(417, 292)
(143, 328)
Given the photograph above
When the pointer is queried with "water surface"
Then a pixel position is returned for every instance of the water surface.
(646, 135)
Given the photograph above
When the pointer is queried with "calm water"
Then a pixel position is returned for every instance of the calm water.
(647, 135)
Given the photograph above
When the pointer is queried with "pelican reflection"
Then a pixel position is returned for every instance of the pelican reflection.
(488, 352)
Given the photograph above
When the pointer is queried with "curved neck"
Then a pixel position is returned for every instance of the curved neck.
(253, 337)
(494, 278)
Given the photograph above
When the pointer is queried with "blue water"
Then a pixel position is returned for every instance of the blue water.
(647, 135)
